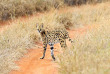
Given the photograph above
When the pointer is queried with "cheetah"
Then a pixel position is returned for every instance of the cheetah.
(52, 37)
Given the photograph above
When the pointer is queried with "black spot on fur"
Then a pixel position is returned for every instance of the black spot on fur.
(51, 48)
(62, 41)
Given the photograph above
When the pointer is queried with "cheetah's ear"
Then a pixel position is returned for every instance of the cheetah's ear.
(42, 25)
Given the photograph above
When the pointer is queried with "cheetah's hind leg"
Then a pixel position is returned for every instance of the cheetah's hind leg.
(52, 50)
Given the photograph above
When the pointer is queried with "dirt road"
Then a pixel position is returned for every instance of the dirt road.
(32, 64)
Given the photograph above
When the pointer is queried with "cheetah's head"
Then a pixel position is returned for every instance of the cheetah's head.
(40, 28)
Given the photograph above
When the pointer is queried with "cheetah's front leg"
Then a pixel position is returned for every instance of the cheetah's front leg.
(45, 47)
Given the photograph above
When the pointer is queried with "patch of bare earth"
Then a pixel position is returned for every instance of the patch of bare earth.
(32, 64)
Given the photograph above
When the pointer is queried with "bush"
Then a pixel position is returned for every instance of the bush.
(65, 19)
(13, 8)
(90, 52)
(14, 42)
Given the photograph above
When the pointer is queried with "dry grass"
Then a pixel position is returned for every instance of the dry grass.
(14, 41)
(9, 9)
(13, 8)
(21, 35)
(80, 2)
(91, 52)
(90, 14)
(65, 19)
(83, 15)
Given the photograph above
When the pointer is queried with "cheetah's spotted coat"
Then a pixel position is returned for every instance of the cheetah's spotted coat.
(53, 37)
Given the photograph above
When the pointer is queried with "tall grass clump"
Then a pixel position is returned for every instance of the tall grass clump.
(90, 53)
(13, 8)
(14, 41)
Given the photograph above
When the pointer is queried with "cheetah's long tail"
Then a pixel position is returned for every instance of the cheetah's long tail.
(70, 40)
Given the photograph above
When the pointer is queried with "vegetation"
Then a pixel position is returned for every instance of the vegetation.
(14, 41)
(10, 9)
(21, 35)
(90, 53)
(80, 2)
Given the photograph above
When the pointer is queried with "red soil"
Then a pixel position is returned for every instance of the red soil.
(32, 64)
